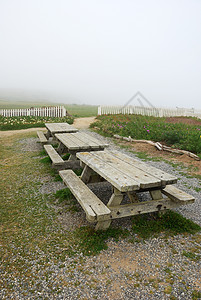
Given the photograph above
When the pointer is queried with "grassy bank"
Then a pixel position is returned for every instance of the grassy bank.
(178, 135)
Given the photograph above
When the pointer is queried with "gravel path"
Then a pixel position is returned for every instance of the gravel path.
(154, 269)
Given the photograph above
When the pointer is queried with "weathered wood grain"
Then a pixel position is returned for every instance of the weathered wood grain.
(119, 180)
(60, 127)
(163, 176)
(42, 137)
(142, 208)
(178, 195)
(54, 156)
(94, 208)
(144, 179)
(80, 141)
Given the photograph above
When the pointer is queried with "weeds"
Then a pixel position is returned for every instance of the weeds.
(171, 222)
(179, 135)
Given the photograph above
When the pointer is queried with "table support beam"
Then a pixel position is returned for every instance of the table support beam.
(103, 225)
(116, 198)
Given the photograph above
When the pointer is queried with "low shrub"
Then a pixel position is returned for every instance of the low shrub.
(23, 122)
(179, 135)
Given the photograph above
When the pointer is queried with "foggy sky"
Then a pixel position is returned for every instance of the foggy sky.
(103, 51)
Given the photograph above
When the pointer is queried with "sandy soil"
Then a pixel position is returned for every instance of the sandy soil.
(185, 120)
(14, 132)
(154, 152)
(83, 123)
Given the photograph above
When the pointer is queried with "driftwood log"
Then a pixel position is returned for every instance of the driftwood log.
(158, 146)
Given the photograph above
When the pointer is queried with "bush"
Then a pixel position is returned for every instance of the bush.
(183, 136)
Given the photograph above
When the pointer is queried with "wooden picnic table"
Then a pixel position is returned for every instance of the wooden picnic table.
(127, 176)
(72, 143)
(53, 128)
(78, 142)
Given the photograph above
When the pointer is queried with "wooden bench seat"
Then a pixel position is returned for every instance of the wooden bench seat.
(56, 159)
(94, 208)
(42, 137)
(177, 195)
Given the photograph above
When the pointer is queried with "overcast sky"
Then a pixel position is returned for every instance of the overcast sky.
(103, 51)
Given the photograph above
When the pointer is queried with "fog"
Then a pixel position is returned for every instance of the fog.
(102, 52)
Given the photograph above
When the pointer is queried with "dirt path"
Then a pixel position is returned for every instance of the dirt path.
(14, 132)
(80, 123)
(83, 123)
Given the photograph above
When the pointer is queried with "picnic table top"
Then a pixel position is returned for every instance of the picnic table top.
(60, 127)
(80, 141)
(125, 173)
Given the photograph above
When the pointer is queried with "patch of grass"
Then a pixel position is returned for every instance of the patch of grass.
(64, 194)
(65, 197)
(91, 242)
(196, 295)
(197, 189)
(66, 156)
(78, 172)
(43, 153)
(149, 225)
(179, 135)
(45, 160)
(191, 255)
(80, 111)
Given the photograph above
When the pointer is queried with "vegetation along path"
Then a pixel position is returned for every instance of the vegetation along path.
(49, 251)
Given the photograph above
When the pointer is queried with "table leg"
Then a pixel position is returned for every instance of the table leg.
(86, 174)
(103, 225)
(116, 198)
(48, 134)
(157, 195)
(60, 148)
(133, 197)
(72, 156)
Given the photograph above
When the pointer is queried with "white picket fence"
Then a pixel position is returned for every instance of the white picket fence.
(149, 111)
(49, 111)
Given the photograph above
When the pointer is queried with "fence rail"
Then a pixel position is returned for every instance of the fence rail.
(149, 111)
(54, 111)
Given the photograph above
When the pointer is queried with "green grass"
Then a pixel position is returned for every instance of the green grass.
(91, 242)
(80, 111)
(170, 223)
(179, 135)
(191, 255)
(76, 110)
(196, 295)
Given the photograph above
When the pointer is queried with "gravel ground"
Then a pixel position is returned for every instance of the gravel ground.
(152, 269)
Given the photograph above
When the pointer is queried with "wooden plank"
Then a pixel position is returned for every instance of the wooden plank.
(94, 208)
(142, 208)
(118, 179)
(42, 137)
(94, 140)
(163, 176)
(145, 180)
(66, 140)
(54, 156)
(60, 127)
(82, 143)
(84, 138)
(177, 195)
